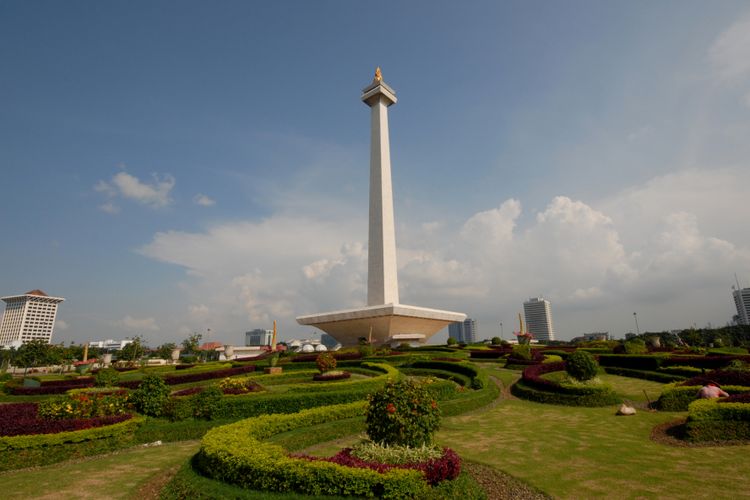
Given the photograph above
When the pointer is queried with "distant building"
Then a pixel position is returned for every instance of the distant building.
(539, 318)
(27, 317)
(110, 345)
(258, 337)
(465, 332)
(742, 303)
(588, 337)
(330, 342)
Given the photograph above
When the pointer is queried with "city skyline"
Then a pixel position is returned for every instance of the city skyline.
(175, 179)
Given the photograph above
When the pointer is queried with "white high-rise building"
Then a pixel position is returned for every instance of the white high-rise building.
(539, 318)
(742, 302)
(30, 316)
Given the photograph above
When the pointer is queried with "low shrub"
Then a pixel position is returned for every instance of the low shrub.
(522, 352)
(16, 388)
(682, 370)
(393, 455)
(635, 346)
(643, 374)
(581, 365)
(593, 398)
(402, 413)
(552, 358)
(446, 467)
(713, 362)
(325, 362)
(22, 419)
(633, 361)
(187, 392)
(486, 354)
(679, 397)
(743, 397)
(108, 377)
(722, 377)
(184, 366)
(338, 356)
(236, 454)
(331, 375)
(710, 421)
(84, 404)
(150, 396)
(207, 403)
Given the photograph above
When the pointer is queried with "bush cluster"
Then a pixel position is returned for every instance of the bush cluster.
(48, 386)
(325, 362)
(151, 395)
(85, 404)
(393, 455)
(633, 361)
(710, 421)
(581, 365)
(659, 376)
(723, 377)
(535, 388)
(339, 356)
(195, 377)
(679, 397)
(402, 413)
(108, 377)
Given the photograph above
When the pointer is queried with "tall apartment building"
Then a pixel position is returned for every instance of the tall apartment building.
(258, 337)
(742, 302)
(30, 316)
(539, 318)
(464, 332)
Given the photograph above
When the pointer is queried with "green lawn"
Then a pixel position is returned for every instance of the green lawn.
(572, 452)
(126, 474)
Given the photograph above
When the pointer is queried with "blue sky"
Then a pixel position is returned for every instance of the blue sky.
(170, 167)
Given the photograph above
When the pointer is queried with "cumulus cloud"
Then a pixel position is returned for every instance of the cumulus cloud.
(139, 324)
(155, 194)
(109, 208)
(203, 200)
(665, 248)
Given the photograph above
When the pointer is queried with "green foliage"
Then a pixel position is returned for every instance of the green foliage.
(230, 383)
(590, 396)
(496, 341)
(236, 454)
(728, 350)
(709, 420)
(190, 345)
(522, 351)
(581, 365)
(164, 351)
(207, 403)
(552, 358)
(151, 395)
(325, 362)
(34, 353)
(452, 341)
(108, 377)
(643, 374)
(273, 359)
(373, 452)
(133, 351)
(635, 346)
(679, 397)
(83, 404)
(402, 413)
(634, 361)
(366, 350)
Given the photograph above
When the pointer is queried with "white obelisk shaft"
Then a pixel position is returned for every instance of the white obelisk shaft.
(382, 278)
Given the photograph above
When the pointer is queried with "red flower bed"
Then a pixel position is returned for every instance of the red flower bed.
(737, 398)
(55, 389)
(19, 419)
(436, 470)
(82, 381)
(322, 377)
(195, 377)
(188, 392)
(723, 377)
(344, 356)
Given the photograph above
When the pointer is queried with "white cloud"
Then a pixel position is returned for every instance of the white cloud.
(139, 324)
(730, 53)
(665, 248)
(109, 208)
(203, 200)
(199, 310)
(154, 195)
(61, 324)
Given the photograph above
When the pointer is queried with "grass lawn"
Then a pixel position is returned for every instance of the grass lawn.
(572, 452)
(127, 474)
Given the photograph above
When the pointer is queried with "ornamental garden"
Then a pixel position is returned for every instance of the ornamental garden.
(478, 421)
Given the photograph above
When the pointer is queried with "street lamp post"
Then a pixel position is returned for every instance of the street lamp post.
(637, 330)
(501, 330)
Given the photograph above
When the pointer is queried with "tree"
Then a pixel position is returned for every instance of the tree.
(165, 350)
(190, 345)
(133, 351)
(34, 353)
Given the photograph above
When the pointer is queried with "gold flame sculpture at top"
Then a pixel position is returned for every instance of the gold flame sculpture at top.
(378, 75)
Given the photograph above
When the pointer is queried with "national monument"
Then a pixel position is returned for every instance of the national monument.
(384, 320)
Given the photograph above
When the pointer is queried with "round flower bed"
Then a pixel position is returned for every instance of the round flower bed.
(331, 375)
(20, 419)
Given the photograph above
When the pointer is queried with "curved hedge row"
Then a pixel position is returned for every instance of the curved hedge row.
(42, 449)
(535, 388)
(710, 420)
(235, 454)
(643, 374)
(679, 397)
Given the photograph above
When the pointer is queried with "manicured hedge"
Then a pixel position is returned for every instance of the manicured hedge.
(723, 377)
(339, 356)
(601, 397)
(236, 454)
(632, 361)
(707, 362)
(462, 380)
(329, 377)
(710, 421)
(41, 449)
(679, 397)
(16, 387)
(485, 354)
(643, 374)
(195, 377)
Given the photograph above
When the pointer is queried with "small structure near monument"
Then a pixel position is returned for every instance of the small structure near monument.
(384, 320)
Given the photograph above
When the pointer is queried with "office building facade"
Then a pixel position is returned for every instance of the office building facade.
(464, 332)
(258, 337)
(538, 315)
(742, 303)
(27, 317)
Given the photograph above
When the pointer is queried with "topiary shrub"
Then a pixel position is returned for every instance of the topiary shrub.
(325, 362)
(496, 341)
(207, 402)
(109, 377)
(150, 396)
(581, 365)
(635, 346)
(452, 341)
(522, 351)
(402, 413)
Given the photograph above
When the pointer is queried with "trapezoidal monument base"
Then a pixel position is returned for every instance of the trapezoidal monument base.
(389, 323)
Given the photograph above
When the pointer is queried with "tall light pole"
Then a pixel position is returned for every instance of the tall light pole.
(637, 330)
(501, 330)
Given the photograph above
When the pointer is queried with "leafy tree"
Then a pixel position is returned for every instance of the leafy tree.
(134, 350)
(496, 341)
(190, 345)
(165, 350)
(34, 353)
(151, 395)
(581, 365)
